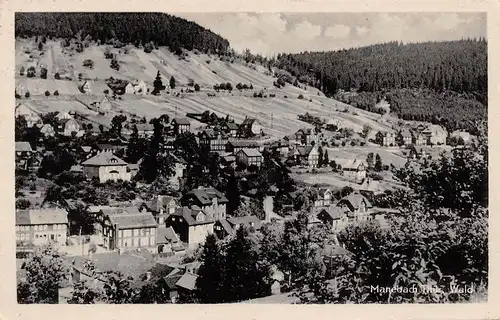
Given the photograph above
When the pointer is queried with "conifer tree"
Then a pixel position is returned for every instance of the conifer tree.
(378, 163)
(326, 160)
(210, 282)
(157, 84)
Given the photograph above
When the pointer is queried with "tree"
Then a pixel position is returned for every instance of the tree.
(378, 163)
(118, 289)
(47, 93)
(56, 93)
(43, 73)
(57, 76)
(31, 72)
(83, 294)
(210, 286)
(172, 82)
(196, 87)
(369, 160)
(114, 64)
(232, 195)
(320, 157)
(366, 130)
(246, 276)
(40, 46)
(158, 84)
(117, 123)
(27, 95)
(45, 273)
(326, 160)
(21, 71)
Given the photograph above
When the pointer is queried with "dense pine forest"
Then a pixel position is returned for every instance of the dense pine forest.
(435, 81)
(137, 28)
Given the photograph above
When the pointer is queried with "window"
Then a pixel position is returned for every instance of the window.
(145, 232)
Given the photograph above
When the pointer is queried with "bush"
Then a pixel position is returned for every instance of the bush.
(300, 96)
(22, 204)
(56, 93)
(196, 87)
(31, 72)
(114, 65)
(27, 95)
(17, 96)
(57, 76)
(47, 93)
(88, 63)
(375, 176)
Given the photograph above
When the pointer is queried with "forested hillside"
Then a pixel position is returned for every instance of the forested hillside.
(442, 82)
(455, 65)
(121, 28)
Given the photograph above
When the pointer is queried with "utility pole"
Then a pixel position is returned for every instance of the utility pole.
(176, 111)
(81, 240)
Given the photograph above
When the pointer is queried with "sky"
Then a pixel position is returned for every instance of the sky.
(272, 33)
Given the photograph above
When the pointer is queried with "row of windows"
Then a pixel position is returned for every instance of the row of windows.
(136, 232)
(43, 227)
(138, 242)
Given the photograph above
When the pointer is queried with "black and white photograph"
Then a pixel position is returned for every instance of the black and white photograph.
(251, 157)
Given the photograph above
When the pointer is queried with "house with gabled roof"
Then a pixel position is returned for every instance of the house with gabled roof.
(192, 225)
(419, 139)
(30, 115)
(235, 145)
(212, 140)
(230, 127)
(167, 240)
(67, 127)
(24, 152)
(250, 127)
(210, 200)
(162, 206)
(47, 130)
(129, 88)
(125, 228)
(41, 226)
(249, 157)
(313, 157)
(223, 228)
(354, 169)
(145, 130)
(106, 167)
(324, 198)
(333, 216)
(357, 206)
(180, 125)
(435, 134)
(370, 188)
(404, 137)
(386, 139)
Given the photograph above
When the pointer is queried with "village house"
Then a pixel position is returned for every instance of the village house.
(358, 208)
(228, 161)
(313, 157)
(180, 125)
(404, 138)
(214, 141)
(141, 88)
(230, 128)
(250, 127)
(192, 225)
(68, 127)
(129, 88)
(105, 105)
(31, 116)
(106, 166)
(370, 188)
(145, 130)
(333, 216)
(235, 145)
(386, 139)
(300, 154)
(162, 206)
(280, 148)
(435, 135)
(324, 199)
(167, 240)
(419, 139)
(223, 228)
(249, 157)
(354, 169)
(210, 200)
(303, 136)
(41, 226)
(128, 227)
(24, 152)
(111, 148)
(85, 87)
(47, 130)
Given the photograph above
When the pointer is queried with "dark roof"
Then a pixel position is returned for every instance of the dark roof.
(232, 126)
(304, 151)
(166, 235)
(355, 200)
(243, 143)
(322, 191)
(181, 121)
(170, 281)
(189, 216)
(246, 221)
(104, 159)
(335, 213)
(251, 152)
(405, 133)
(107, 146)
(204, 196)
(22, 217)
(226, 226)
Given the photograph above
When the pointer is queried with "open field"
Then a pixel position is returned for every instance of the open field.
(388, 155)
(277, 115)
